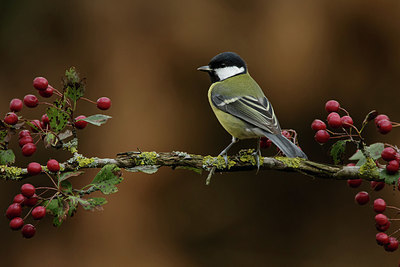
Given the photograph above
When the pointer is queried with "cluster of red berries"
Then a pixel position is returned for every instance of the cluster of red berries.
(27, 198)
(31, 101)
(26, 143)
(392, 157)
(334, 120)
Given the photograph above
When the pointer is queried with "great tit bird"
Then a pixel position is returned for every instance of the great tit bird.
(241, 106)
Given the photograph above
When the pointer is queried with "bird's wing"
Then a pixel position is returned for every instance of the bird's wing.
(255, 111)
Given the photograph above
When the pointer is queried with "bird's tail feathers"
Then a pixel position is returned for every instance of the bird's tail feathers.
(286, 146)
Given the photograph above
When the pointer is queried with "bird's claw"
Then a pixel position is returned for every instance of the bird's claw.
(257, 157)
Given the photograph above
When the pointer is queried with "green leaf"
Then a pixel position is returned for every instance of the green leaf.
(67, 175)
(7, 157)
(149, 169)
(58, 118)
(107, 178)
(92, 203)
(74, 87)
(3, 134)
(374, 151)
(66, 186)
(57, 209)
(50, 140)
(389, 178)
(73, 205)
(98, 119)
(337, 151)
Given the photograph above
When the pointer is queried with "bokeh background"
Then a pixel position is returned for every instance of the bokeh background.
(144, 55)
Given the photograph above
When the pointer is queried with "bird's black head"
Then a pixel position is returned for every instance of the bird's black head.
(225, 65)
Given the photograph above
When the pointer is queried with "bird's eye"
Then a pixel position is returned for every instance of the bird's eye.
(223, 65)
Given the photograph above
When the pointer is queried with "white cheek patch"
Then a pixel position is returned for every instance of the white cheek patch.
(227, 72)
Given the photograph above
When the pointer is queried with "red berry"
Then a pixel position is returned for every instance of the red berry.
(379, 205)
(25, 140)
(16, 223)
(16, 105)
(377, 186)
(80, 123)
(24, 133)
(332, 114)
(265, 142)
(384, 126)
(45, 119)
(34, 168)
(392, 167)
(20, 198)
(40, 83)
(286, 134)
(392, 245)
(53, 165)
(397, 157)
(28, 149)
(11, 118)
(28, 231)
(334, 121)
(14, 210)
(39, 212)
(381, 219)
(351, 164)
(382, 239)
(332, 106)
(31, 101)
(103, 103)
(30, 202)
(381, 117)
(48, 92)
(322, 136)
(317, 125)
(347, 121)
(28, 190)
(388, 154)
(362, 198)
(382, 228)
(37, 126)
(354, 183)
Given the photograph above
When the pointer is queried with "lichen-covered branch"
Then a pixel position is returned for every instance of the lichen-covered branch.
(149, 162)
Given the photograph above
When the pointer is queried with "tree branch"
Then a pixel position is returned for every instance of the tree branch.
(149, 162)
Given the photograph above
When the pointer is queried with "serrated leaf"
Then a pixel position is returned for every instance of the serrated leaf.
(65, 135)
(7, 157)
(389, 178)
(74, 88)
(149, 169)
(3, 134)
(97, 119)
(375, 150)
(67, 175)
(58, 209)
(58, 118)
(92, 203)
(66, 186)
(107, 178)
(50, 140)
(73, 205)
(337, 151)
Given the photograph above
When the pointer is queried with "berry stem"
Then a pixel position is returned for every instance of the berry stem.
(51, 179)
(392, 207)
(88, 100)
(347, 113)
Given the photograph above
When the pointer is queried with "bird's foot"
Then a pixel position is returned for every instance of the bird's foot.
(257, 156)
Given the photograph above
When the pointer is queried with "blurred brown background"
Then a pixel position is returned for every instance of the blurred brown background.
(143, 55)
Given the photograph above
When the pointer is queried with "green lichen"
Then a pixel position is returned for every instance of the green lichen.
(218, 162)
(369, 169)
(84, 162)
(147, 158)
(7, 172)
(71, 146)
(249, 156)
(291, 162)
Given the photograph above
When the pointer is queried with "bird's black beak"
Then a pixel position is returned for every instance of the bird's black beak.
(204, 68)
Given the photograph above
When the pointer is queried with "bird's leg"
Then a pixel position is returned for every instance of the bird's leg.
(257, 154)
(225, 151)
(225, 154)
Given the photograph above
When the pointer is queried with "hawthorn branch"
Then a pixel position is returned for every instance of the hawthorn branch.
(149, 162)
